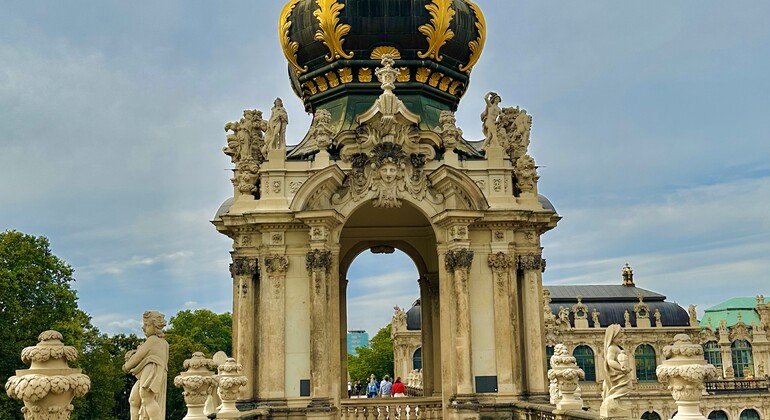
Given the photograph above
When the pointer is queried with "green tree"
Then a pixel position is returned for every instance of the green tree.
(376, 359)
(35, 295)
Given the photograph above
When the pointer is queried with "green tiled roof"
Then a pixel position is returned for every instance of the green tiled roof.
(729, 310)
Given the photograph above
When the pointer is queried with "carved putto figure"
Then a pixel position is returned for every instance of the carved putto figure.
(322, 130)
(489, 119)
(275, 136)
(658, 322)
(399, 320)
(149, 364)
(449, 132)
(595, 318)
(515, 126)
(627, 319)
(526, 174)
(617, 375)
(693, 316)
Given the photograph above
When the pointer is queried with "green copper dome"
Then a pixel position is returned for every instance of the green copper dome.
(334, 46)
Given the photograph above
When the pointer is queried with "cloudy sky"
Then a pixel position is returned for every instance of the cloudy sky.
(651, 124)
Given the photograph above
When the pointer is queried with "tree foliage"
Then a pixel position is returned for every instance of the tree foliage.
(377, 359)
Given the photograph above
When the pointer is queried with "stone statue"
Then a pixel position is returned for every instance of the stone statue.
(399, 319)
(729, 373)
(761, 369)
(627, 319)
(618, 376)
(515, 126)
(448, 130)
(246, 141)
(275, 136)
(723, 335)
(526, 174)
(693, 316)
(658, 321)
(758, 328)
(564, 317)
(149, 363)
(595, 317)
(489, 120)
(322, 130)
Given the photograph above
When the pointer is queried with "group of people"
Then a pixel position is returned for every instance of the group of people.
(383, 389)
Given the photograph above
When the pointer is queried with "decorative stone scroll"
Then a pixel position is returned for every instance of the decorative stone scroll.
(461, 259)
(684, 372)
(564, 376)
(49, 385)
(198, 383)
(276, 264)
(530, 262)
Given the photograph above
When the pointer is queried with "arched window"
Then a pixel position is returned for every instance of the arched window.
(741, 350)
(548, 354)
(645, 363)
(417, 359)
(749, 414)
(712, 354)
(717, 415)
(585, 359)
(650, 415)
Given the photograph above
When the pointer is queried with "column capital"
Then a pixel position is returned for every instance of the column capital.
(530, 262)
(244, 266)
(318, 260)
(276, 264)
(500, 262)
(460, 259)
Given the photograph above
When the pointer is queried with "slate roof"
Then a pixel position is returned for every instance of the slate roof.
(602, 292)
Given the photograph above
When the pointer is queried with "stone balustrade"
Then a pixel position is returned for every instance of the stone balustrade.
(391, 409)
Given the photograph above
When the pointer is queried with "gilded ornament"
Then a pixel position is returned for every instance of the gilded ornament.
(453, 87)
(434, 79)
(403, 74)
(380, 52)
(334, 81)
(476, 45)
(289, 47)
(437, 31)
(346, 74)
(444, 84)
(311, 86)
(422, 74)
(365, 75)
(331, 32)
(321, 82)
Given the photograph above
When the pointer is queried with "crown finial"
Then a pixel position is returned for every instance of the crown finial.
(628, 276)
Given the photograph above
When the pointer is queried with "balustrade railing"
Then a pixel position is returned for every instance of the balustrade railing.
(391, 409)
(738, 385)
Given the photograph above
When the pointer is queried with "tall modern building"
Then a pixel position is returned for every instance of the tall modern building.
(356, 339)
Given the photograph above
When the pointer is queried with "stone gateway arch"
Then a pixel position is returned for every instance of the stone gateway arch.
(383, 166)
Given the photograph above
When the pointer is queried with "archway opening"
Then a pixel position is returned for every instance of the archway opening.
(388, 258)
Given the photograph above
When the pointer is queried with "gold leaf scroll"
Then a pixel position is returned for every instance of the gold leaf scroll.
(476, 45)
(331, 32)
(289, 47)
(437, 31)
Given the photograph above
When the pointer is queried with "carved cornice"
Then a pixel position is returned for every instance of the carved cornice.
(289, 47)
(318, 260)
(476, 45)
(437, 30)
(530, 262)
(242, 266)
(461, 259)
(276, 264)
(331, 32)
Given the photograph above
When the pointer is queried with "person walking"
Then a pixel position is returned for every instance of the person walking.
(386, 387)
(350, 389)
(399, 390)
(357, 388)
(371, 388)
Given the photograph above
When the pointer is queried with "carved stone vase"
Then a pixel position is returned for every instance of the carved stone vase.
(49, 385)
(685, 372)
(230, 383)
(566, 373)
(198, 383)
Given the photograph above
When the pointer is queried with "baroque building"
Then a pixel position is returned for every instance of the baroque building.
(382, 166)
(732, 335)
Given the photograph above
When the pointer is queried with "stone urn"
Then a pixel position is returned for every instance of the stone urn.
(49, 385)
(565, 374)
(685, 372)
(230, 383)
(198, 383)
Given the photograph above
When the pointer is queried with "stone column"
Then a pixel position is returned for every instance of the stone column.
(685, 372)
(318, 264)
(501, 265)
(49, 385)
(245, 272)
(198, 383)
(566, 374)
(274, 326)
(230, 382)
(426, 316)
(726, 351)
(531, 267)
(458, 265)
